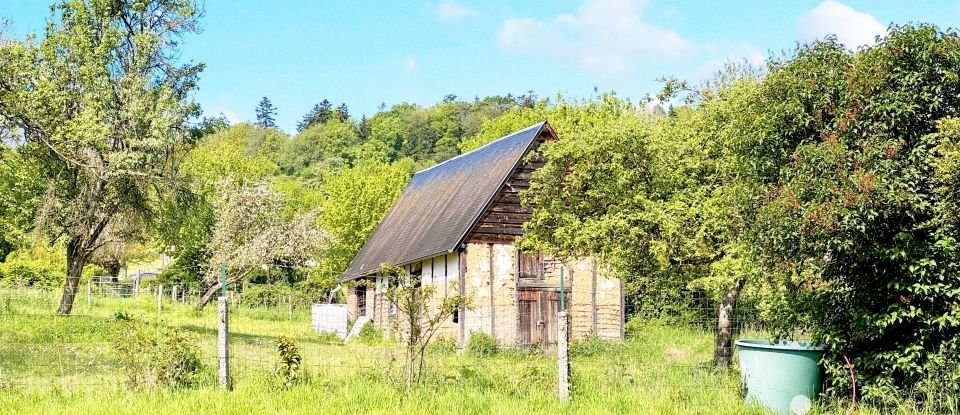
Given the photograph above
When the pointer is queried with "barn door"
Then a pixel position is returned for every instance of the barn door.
(538, 317)
(549, 306)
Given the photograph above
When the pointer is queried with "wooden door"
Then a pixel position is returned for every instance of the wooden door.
(538, 317)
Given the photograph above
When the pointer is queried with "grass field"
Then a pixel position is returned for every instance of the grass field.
(51, 365)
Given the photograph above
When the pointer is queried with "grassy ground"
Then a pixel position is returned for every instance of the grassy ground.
(51, 365)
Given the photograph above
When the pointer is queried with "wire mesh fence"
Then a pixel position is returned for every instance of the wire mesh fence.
(668, 351)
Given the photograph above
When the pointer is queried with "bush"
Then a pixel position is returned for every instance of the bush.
(266, 295)
(287, 372)
(481, 344)
(370, 334)
(156, 355)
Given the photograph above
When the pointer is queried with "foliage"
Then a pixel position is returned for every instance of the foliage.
(370, 335)
(100, 105)
(848, 208)
(481, 344)
(355, 201)
(20, 189)
(39, 266)
(251, 234)
(287, 372)
(266, 113)
(156, 355)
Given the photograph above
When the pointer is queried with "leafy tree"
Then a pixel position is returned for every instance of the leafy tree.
(855, 157)
(20, 190)
(320, 148)
(355, 202)
(101, 105)
(185, 221)
(266, 113)
(251, 232)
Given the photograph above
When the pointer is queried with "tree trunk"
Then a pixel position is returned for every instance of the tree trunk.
(76, 259)
(212, 290)
(723, 349)
(113, 271)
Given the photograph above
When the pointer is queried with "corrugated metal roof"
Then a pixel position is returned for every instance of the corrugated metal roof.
(441, 203)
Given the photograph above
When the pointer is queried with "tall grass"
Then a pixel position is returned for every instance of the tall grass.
(52, 364)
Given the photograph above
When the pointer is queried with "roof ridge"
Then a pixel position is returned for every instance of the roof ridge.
(539, 124)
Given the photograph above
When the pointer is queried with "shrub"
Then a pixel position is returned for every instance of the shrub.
(156, 355)
(370, 334)
(287, 372)
(266, 295)
(481, 344)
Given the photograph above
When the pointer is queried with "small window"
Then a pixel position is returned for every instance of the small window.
(531, 265)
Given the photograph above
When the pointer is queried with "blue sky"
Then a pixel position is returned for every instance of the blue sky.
(366, 52)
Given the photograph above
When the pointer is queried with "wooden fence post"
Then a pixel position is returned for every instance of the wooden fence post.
(223, 344)
(563, 374)
(160, 298)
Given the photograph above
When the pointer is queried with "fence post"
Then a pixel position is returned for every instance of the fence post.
(173, 294)
(563, 374)
(290, 307)
(223, 344)
(160, 298)
(90, 291)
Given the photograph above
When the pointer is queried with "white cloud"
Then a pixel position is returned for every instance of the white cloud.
(853, 28)
(410, 64)
(449, 10)
(604, 37)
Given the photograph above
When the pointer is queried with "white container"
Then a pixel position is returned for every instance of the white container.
(330, 318)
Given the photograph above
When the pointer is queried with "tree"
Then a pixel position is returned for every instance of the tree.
(853, 154)
(343, 113)
(184, 223)
(102, 106)
(266, 113)
(318, 115)
(356, 200)
(251, 232)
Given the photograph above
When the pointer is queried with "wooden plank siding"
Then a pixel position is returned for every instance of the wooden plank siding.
(503, 220)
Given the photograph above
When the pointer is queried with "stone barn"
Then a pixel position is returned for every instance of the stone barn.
(454, 226)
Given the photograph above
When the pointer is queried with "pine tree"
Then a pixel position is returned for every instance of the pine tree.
(343, 114)
(265, 113)
(318, 115)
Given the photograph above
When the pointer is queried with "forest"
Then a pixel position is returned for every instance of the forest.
(821, 188)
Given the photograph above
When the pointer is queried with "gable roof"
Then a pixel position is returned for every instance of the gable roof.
(441, 204)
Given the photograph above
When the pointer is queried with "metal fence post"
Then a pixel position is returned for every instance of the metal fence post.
(160, 298)
(223, 344)
(563, 374)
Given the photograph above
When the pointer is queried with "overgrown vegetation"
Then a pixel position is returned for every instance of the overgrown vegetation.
(155, 354)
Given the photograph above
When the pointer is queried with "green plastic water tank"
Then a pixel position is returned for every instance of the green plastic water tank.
(784, 376)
